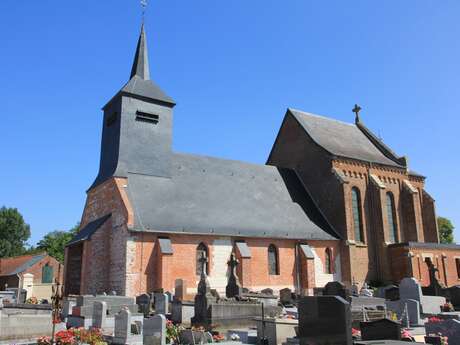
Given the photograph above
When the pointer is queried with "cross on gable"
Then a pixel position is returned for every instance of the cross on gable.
(356, 109)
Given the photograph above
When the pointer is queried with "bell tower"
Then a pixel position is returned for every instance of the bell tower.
(137, 125)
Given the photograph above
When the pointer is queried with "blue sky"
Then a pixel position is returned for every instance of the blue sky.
(233, 68)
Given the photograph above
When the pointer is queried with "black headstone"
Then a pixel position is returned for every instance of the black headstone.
(392, 293)
(286, 297)
(336, 289)
(383, 329)
(324, 320)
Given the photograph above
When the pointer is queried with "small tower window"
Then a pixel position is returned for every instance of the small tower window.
(357, 214)
(273, 265)
(147, 117)
(328, 261)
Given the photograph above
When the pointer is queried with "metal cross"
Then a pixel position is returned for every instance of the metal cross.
(144, 5)
(356, 110)
(233, 262)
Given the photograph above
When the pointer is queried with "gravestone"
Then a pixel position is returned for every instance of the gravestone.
(447, 328)
(99, 314)
(128, 330)
(144, 303)
(233, 288)
(409, 288)
(383, 329)
(155, 330)
(454, 295)
(203, 298)
(413, 312)
(324, 320)
(335, 289)
(161, 303)
(392, 293)
(267, 291)
(433, 340)
(286, 297)
(180, 289)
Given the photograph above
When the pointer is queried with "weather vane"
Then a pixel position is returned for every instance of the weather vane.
(144, 6)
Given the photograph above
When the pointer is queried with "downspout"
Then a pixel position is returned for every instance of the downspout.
(297, 270)
(20, 286)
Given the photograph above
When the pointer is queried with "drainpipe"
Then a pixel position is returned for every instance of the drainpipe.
(20, 285)
(297, 269)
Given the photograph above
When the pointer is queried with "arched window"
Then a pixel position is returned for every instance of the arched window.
(328, 261)
(357, 215)
(391, 218)
(201, 251)
(47, 274)
(273, 265)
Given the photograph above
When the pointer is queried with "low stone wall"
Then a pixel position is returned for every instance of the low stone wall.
(24, 326)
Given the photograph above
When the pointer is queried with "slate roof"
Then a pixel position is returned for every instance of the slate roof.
(89, 230)
(19, 264)
(140, 83)
(224, 197)
(345, 139)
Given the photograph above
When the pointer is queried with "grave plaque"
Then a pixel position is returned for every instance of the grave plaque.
(180, 289)
(143, 301)
(155, 330)
(99, 314)
(383, 329)
(409, 288)
(335, 289)
(161, 303)
(286, 297)
(324, 320)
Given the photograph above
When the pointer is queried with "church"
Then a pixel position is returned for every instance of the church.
(332, 202)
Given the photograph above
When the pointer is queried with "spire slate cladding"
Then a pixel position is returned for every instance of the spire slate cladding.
(137, 127)
(141, 59)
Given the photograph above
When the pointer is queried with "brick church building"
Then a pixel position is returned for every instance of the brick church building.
(333, 202)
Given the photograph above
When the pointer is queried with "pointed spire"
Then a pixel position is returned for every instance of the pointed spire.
(141, 59)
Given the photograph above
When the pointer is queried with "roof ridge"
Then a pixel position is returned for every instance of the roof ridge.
(324, 117)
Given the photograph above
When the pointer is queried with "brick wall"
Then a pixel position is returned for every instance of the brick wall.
(104, 257)
(409, 261)
(37, 269)
(150, 269)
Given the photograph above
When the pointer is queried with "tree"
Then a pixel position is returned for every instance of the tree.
(446, 230)
(14, 232)
(54, 242)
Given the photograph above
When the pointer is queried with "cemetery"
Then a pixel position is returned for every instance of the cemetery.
(334, 240)
(335, 315)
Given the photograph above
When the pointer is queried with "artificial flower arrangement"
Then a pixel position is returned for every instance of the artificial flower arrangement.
(75, 336)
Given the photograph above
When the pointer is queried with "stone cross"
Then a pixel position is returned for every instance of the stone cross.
(356, 110)
(233, 288)
(203, 262)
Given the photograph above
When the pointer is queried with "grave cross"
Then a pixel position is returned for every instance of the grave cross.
(203, 262)
(233, 288)
(232, 263)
